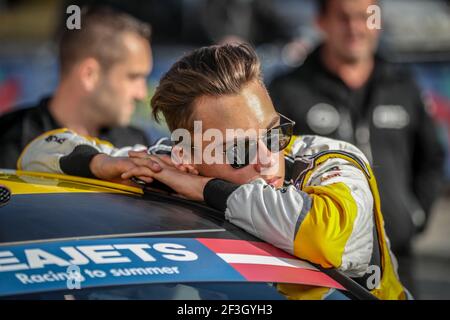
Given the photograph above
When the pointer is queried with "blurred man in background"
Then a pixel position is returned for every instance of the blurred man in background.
(103, 71)
(345, 91)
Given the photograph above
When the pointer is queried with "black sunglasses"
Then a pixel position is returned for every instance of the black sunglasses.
(276, 139)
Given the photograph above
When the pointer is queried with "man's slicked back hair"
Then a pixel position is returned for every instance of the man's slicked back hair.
(209, 71)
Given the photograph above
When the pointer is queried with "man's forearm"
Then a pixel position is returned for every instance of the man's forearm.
(96, 163)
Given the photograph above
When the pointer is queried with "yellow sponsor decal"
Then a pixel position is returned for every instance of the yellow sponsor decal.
(25, 182)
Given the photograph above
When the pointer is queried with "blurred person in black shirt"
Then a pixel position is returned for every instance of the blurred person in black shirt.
(103, 71)
(346, 91)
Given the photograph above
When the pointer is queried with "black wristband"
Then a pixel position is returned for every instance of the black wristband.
(217, 192)
(77, 163)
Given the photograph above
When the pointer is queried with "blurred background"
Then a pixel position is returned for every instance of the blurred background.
(416, 34)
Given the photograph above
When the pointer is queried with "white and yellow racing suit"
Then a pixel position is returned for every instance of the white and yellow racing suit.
(329, 214)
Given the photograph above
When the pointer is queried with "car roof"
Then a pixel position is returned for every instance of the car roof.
(57, 210)
(48, 207)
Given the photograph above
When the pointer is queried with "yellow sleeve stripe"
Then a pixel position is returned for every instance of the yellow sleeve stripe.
(308, 236)
(98, 141)
(324, 232)
(336, 154)
(302, 292)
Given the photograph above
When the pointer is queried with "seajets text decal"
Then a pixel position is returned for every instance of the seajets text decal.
(99, 254)
(43, 267)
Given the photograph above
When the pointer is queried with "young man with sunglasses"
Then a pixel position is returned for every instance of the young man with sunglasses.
(319, 203)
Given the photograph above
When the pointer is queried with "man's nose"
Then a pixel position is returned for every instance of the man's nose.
(141, 90)
(265, 158)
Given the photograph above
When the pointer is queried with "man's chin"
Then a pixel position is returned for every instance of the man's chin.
(276, 182)
(121, 123)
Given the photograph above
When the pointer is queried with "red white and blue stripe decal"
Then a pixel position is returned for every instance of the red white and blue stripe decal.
(261, 262)
(51, 266)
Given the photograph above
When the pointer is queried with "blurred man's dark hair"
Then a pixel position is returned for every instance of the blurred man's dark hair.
(322, 6)
(99, 37)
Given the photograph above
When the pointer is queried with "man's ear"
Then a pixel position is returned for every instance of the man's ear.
(89, 72)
